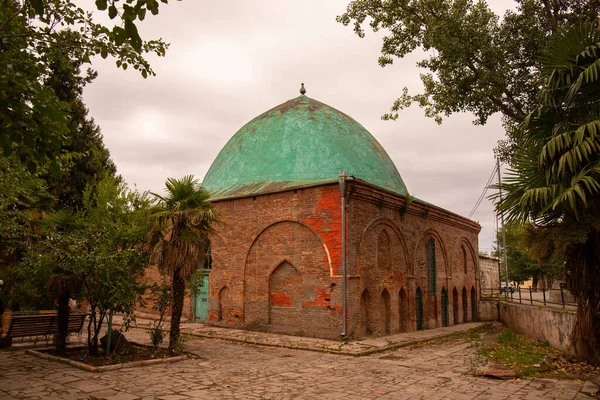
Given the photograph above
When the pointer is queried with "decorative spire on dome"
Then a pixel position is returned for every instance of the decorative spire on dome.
(302, 90)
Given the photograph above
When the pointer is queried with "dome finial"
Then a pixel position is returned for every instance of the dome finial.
(302, 90)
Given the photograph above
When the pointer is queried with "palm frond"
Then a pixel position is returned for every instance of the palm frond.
(183, 218)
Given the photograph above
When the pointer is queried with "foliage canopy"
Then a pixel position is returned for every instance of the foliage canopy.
(33, 35)
(476, 62)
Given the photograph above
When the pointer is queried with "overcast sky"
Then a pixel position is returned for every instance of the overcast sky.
(230, 61)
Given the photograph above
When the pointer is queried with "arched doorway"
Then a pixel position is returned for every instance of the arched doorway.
(444, 307)
(465, 305)
(403, 309)
(419, 306)
(455, 306)
(201, 296)
(473, 304)
(285, 297)
(385, 312)
(366, 328)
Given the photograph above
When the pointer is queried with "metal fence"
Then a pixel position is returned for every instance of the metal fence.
(558, 298)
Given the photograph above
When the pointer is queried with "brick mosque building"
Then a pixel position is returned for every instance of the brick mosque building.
(305, 250)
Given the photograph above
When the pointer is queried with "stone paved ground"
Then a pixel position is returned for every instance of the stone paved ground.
(242, 371)
(353, 348)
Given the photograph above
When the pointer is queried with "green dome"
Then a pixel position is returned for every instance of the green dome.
(300, 142)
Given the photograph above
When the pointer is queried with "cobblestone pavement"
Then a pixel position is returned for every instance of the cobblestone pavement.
(351, 348)
(236, 370)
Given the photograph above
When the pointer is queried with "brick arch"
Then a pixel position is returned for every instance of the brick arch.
(463, 242)
(426, 234)
(297, 245)
(285, 296)
(225, 312)
(431, 292)
(297, 221)
(391, 228)
(474, 313)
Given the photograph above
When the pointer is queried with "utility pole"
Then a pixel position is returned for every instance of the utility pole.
(499, 263)
(503, 232)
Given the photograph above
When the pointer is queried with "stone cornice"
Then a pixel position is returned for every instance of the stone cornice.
(365, 191)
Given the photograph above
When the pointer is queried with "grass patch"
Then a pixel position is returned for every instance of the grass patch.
(526, 355)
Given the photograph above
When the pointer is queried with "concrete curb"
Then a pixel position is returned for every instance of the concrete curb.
(353, 353)
(90, 368)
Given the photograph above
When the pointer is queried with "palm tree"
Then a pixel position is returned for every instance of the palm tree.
(182, 219)
(555, 174)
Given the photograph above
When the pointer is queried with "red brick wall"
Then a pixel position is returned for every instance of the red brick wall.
(279, 258)
(374, 214)
(276, 253)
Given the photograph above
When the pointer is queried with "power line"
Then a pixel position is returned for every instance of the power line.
(485, 188)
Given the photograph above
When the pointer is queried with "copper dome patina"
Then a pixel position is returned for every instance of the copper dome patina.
(300, 142)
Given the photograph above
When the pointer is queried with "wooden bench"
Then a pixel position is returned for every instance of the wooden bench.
(40, 325)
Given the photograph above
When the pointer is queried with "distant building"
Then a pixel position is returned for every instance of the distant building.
(488, 272)
(277, 258)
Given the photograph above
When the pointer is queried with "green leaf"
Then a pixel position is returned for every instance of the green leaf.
(101, 5)
(38, 6)
(120, 36)
(131, 30)
(112, 11)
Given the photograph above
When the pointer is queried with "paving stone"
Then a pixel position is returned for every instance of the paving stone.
(123, 396)
(241, 371)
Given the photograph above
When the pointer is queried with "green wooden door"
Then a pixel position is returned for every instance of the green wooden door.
(201, 301)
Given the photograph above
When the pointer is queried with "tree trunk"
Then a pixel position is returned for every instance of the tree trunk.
(90, 327)
(177, 309)
(583, 275)
(63, 323)
(534, 283)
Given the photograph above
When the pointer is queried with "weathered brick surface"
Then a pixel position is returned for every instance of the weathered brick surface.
(488, 268)
(277, 262)
(275, 253)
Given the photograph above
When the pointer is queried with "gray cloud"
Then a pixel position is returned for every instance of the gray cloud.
(232, 60)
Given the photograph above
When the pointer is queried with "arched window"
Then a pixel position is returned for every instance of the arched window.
(383, 250)
(431, 266)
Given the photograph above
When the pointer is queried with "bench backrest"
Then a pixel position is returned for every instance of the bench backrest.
(30, 325)
(42, 324)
